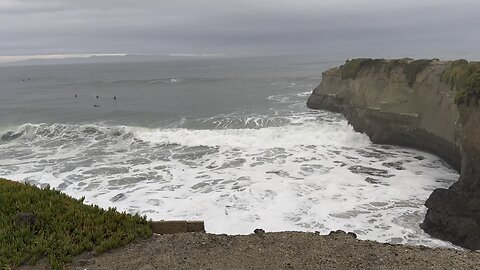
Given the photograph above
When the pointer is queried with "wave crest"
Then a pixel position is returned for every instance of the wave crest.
(312, 133)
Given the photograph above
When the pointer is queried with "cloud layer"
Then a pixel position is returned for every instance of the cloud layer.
(234, 26)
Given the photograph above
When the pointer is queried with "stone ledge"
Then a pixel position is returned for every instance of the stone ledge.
(177, 226)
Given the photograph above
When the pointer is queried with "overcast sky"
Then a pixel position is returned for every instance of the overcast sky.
(29, 27)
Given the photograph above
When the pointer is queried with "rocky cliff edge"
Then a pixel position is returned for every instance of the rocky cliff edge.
(430, 105)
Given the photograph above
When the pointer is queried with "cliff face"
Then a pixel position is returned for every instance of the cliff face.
(416, 109)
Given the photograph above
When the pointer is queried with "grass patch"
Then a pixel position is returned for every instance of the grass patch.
(351, 68)
(38, 222)
(464, 78)
(392, 64)
(411, 68)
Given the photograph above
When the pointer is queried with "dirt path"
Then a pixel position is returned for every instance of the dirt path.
(286, 250)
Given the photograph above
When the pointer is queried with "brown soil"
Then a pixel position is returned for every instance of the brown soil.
(285, 250)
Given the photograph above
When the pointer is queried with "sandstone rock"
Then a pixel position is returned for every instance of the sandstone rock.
(419, 112)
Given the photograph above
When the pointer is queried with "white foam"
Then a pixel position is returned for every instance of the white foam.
(292, 177)
(304, 94)
(340, 134)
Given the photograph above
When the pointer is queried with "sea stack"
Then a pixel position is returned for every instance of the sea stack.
(430, 105)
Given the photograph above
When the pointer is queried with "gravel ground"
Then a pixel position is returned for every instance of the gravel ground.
(284, 250)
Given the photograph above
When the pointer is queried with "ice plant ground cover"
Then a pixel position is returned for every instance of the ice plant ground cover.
(38, 222)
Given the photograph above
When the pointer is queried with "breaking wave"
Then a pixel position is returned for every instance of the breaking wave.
(309, 172)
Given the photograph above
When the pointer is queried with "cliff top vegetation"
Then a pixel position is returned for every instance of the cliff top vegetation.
(411, 68)
(464, 78)
(36, 222)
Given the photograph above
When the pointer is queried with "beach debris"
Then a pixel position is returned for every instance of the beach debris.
(258, 231)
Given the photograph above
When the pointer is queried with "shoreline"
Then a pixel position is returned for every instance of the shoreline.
(279, 250)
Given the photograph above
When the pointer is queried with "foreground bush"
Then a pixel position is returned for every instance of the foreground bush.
(38, 222)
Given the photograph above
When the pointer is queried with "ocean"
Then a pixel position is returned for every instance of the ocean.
(227, 141)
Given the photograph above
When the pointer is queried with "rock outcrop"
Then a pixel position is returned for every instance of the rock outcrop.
(406, 102)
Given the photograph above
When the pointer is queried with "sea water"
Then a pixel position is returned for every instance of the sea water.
(227, 141)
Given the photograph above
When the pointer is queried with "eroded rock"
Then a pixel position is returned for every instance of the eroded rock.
(420, 112)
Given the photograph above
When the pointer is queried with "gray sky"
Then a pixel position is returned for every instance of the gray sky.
(29, 27)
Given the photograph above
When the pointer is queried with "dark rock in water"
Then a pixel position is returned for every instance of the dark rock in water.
(259, 231)
(118, 197)
(396, 165)
(456, 212)
(419, 111)
(26, 219)
(337, 232)
(352, 234)
(357, 169)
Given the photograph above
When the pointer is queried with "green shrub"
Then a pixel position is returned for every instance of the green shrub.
(471, 91)
(413, 68)
(36, 222)
(464, 78)
(392, 64)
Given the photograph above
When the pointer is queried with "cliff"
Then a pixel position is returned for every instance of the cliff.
(426, 104)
